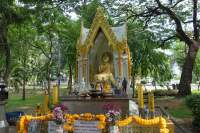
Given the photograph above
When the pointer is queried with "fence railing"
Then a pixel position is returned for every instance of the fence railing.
(135, 124)
(134, 128)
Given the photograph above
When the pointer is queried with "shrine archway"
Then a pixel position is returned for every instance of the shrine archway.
(100, 47)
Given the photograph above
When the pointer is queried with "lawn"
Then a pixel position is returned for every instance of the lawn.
(175, 106)
(33, 97)
(195, 92)
(180, 111)
(15, 102)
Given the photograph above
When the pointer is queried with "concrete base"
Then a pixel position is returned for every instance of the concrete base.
(3, 123)
(95, 105)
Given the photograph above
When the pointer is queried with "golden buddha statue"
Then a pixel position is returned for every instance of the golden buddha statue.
(105, 75)
(105, 69)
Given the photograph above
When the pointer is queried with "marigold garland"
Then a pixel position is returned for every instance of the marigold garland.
(144, 122)
(24, 120)
(27, 118)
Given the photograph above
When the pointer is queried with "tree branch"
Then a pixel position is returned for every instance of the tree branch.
(176, 3)
(167, 39)
(40, 48)
(181, 34)
(190, 21)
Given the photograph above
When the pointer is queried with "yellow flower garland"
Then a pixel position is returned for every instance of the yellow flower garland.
(156, 121)
(89, 117)
(27, 118)
(24, 120)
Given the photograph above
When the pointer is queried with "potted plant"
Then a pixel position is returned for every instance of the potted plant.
(58, 117)
(113, 113)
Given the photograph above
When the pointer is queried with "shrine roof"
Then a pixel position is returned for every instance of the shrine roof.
(85, 32)
(120, 33)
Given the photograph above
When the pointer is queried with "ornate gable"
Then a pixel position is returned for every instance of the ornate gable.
(100, 22)
(116, 36)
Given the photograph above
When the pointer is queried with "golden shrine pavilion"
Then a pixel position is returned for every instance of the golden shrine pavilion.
(103, 53)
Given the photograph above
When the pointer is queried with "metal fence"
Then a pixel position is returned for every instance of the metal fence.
(135, 128)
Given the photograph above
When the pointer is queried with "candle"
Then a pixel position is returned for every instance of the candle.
(140, 96)
(55, 95)
(46, 103)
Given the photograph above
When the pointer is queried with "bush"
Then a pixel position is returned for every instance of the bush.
(193, 102)
(160, 93)
(165, 92)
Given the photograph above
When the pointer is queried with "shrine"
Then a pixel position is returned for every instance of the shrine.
(103, 56)
(103, 70)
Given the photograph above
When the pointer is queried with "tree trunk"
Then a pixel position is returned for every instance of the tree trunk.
(6, 46)
(7, 64)
(24, 90)
(186, 76)
(70, 79)
(48, 79)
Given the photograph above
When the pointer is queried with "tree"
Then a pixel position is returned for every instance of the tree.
(169, 19)
(147, 59)
(21, 37)
(180, 51)
(9, 14)
(68, 42)
(45, 43)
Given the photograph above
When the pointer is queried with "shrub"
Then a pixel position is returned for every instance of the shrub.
(165, 92)
(159, 93)
(193, 102)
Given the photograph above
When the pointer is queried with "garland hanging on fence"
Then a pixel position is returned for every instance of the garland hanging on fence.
(24, 121)
(145, 122)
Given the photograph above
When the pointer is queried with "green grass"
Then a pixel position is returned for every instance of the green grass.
(195, 92)
(15, 101)
(181, 111)
(33, 97)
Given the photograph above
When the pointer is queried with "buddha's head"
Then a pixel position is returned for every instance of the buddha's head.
(106, 57)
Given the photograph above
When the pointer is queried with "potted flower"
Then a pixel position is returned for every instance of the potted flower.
(58, 117)
(113, 113)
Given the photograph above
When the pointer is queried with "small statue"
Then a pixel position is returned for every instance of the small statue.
(38, 110)
(124, 85)
(3, 92)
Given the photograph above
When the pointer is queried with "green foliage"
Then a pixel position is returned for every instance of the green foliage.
(146, 55)
(193, 102)
(68, 42)
(88, 12)
(165, 93)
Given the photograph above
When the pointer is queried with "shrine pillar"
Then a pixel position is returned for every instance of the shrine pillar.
(116, 68)
(125, 72)
(125, 66)
(80, 71)
(120, 63)
(86, 76)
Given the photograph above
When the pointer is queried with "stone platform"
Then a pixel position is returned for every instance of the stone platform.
(95, 105)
